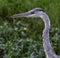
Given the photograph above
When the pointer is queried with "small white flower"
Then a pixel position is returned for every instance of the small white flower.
(5, 23)
(16, 28)
(1, 27)
(25, 28)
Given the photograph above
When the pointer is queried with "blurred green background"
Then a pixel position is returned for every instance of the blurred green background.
(22, 37)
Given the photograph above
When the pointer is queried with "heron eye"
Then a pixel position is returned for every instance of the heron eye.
(32, 12)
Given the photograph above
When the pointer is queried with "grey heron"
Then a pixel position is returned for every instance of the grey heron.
(38, 12)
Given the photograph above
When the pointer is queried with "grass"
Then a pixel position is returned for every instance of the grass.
(22, 38)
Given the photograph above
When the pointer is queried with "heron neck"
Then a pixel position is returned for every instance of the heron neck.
(46, 21)
(46, 42)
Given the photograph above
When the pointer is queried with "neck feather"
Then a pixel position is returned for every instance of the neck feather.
(46, 42)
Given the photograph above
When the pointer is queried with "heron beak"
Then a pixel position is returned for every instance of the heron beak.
(21, 15)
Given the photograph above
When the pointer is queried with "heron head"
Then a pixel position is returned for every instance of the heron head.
(36, 12)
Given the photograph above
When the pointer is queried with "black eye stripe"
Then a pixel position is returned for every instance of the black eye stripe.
(37, 10)
(32, 12)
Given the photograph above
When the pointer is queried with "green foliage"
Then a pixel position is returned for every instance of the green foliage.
(22, 38)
